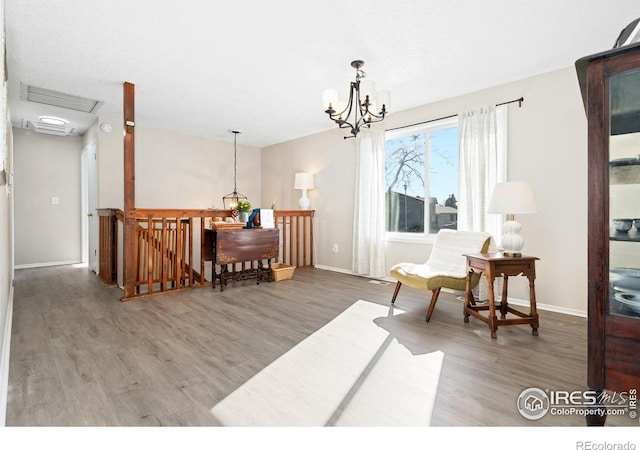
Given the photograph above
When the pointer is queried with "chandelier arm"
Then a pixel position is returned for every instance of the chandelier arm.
(374, 117)
(356, 120)
(346, 125)
(344, 121)
(350, 102)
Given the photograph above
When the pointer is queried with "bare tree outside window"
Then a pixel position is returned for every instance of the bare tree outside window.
(422, 165)
(404, 173)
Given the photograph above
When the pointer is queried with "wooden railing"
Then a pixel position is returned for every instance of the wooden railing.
(164, 255)
(169, 251)
(296, 237)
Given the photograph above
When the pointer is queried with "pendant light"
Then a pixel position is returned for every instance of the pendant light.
(231, 200)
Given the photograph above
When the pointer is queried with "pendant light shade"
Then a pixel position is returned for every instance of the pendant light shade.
(230, 201)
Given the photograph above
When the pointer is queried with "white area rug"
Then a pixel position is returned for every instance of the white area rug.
(351, 372)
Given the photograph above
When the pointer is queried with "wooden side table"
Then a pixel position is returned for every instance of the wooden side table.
(494, 265)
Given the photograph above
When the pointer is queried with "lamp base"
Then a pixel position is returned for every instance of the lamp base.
(512, 242)
(304, 202)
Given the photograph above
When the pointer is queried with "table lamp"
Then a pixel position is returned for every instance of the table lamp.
(304, 181)
(511, 198)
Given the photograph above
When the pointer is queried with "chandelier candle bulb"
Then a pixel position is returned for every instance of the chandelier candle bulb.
(330, 98)
(367, 88)
(383, 100)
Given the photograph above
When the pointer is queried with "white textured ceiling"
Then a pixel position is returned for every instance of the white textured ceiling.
(203, 67)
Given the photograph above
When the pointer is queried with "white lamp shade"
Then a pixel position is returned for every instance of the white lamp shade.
(303, 181)
(383, 98)
(330, 98)
(513, 197)
(368, 87)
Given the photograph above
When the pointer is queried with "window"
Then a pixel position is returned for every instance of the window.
(421, 163)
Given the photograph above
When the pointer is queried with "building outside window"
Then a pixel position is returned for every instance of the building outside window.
(421, 178)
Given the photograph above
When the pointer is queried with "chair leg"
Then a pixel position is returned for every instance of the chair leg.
(395, 293)
(432, 305)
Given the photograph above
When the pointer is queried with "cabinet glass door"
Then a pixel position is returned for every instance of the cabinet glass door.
(624, 194)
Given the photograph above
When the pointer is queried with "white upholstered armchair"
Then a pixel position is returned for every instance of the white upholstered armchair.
(445, 268)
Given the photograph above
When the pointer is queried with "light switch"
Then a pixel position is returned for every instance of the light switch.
(55, 201)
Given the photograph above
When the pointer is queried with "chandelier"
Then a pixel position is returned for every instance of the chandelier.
(231, 200)
(361, 112)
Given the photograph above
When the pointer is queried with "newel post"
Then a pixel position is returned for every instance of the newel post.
(129, 229)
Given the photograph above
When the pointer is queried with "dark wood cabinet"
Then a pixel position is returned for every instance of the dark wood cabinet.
(610, 85)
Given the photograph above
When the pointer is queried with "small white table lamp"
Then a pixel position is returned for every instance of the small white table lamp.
(511, 198)
(304, 181)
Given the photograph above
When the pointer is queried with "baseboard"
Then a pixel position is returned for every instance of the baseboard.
(349, 272)
(514, 301)
(47, 264)
(334, 269)
(551, 308)
(4, 360)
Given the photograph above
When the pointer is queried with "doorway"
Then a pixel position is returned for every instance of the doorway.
(89, 168)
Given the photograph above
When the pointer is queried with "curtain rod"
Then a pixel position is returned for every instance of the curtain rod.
(518, 100)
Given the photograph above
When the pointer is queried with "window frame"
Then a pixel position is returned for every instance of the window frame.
(427, 128)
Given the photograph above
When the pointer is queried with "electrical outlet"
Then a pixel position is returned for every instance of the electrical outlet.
(55, 201)
(334, 248)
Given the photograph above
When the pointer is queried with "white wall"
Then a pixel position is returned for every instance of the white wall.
(6, 272)
(46, 167)
(6, 238)
(332, 160)
(174, 170)
(547, 147)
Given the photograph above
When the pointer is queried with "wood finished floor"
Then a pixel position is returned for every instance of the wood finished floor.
(80, 357)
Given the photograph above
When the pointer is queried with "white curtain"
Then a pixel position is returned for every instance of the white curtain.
(369, 214)
(483, 163)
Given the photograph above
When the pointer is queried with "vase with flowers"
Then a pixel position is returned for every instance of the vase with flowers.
(243, 208)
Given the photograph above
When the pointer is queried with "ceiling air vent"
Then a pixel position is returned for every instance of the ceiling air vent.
(47, 128)
(54, 98)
